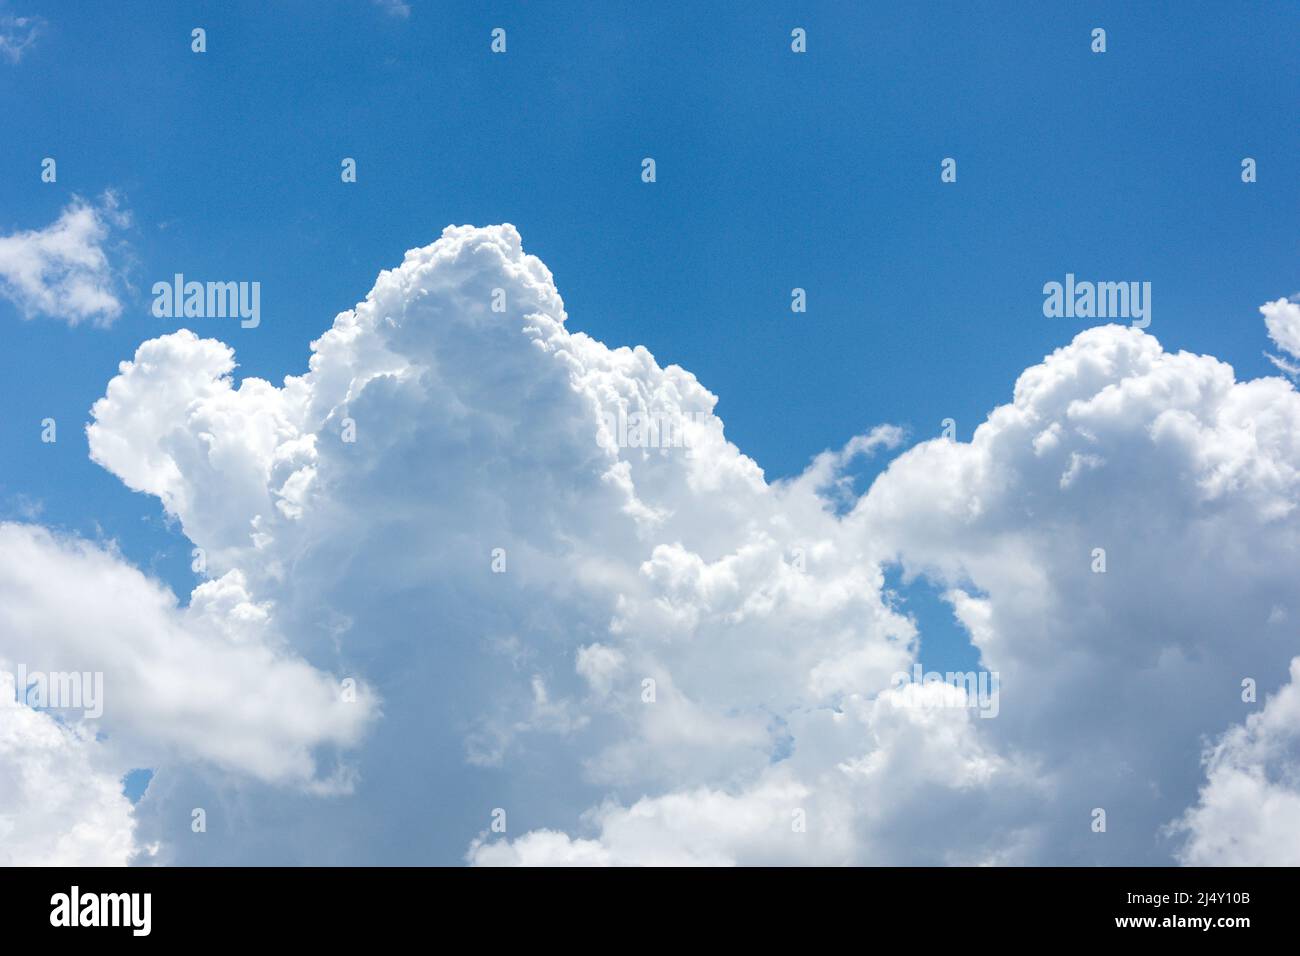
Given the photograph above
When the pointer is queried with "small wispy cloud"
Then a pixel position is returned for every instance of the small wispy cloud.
(394, 8)
(17, 34)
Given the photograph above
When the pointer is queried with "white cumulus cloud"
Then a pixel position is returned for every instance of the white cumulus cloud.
(650, 654)
(209, 685)
(1248, 813)
(1282, 320)
(58, 805)
(63, 271)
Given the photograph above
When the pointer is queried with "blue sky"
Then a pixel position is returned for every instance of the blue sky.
(774, 171)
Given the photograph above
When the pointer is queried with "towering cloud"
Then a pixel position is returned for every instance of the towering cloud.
(634, 651)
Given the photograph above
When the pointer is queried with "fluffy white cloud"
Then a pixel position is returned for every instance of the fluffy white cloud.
(903, 779)
(57, 806)
(210, 684)
(1282, 320)
(691, 652)
(1249, 809)
(62, 271)
(1188, 483)
(755, 612)
(211, 681)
